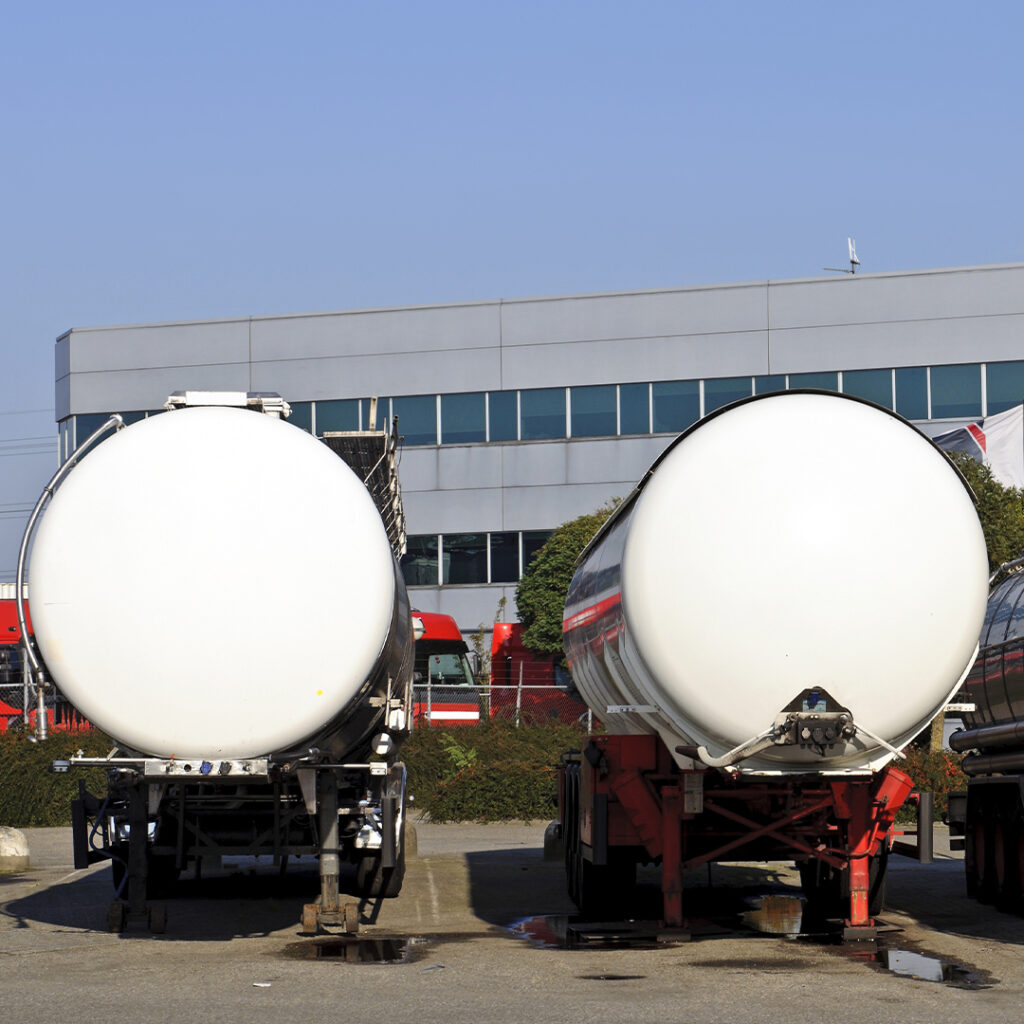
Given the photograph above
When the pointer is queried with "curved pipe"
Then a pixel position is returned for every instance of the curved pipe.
(1006, 734)
(978, 764)
(752, 746)
(117, 423)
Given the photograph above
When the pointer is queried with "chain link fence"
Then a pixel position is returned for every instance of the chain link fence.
(517, 704)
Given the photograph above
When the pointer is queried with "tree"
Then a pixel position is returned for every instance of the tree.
(1000, 509)
(540, 596)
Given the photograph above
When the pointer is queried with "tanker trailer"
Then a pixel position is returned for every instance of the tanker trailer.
(216, 590)
(990, 814)
(788, 596)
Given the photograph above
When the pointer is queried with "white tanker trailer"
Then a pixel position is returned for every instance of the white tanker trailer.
(787, 598)
(216, 589)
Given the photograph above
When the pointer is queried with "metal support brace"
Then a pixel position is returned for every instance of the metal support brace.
(330, 863)
(138, 851)
(672, 856)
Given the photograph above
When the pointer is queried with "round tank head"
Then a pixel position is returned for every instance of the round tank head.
(211, 582)
(804, 541)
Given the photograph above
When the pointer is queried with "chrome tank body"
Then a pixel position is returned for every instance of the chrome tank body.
(214, 583)
(796, 560)
(995, 684)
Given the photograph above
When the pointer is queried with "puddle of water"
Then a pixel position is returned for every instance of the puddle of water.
(353, 950)
(560, 931)
(914, 965)
(776, 915)
(921, 965)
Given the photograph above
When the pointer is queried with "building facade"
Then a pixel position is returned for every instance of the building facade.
(519, 414)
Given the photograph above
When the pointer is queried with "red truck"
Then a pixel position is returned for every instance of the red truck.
(445, 691)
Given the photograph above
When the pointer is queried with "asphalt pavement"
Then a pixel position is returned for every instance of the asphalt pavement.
(477, 933)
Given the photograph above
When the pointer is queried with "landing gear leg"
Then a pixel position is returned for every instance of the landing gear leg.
(328, 909)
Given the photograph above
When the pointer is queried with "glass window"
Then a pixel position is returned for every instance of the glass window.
(302, 415)
(676, 405)
(1004, 385)
(501, 411)
(417, 418)
(383, 418)
(419, 563)
(956, 391)
(822, 381)
(634, 409)
(504, 557)
(912, 392)
(723, 391)
(337, 415)
(767, 384)
(874, 385)
(542, 412)
(533, 541)
(87, 424)
(464, 558)
(463, 418)
(592, 411)
(132, 417)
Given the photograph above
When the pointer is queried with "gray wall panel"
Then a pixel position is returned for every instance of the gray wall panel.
(643, 359)
(471, 607)
(468, 511)
(384, 375)
(376, 332)
(128, 348)
(727, 308)
(927, 295)
(616, 460)
(541, 508)
(62, 357)
(534, 463)
(130, 390)
(462, 466)
(916, 343)
(62, 398)
(418, 469)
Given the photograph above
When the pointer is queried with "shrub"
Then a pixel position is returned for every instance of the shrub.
(489, 772)
(31, 796)
(935, 771)
(499, 791)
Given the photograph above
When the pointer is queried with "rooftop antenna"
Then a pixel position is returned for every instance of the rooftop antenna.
(851, 244)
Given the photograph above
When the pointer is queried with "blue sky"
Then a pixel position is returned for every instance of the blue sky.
(214, 159)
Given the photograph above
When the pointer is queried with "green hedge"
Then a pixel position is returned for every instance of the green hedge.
(31, 796)
(489, 772)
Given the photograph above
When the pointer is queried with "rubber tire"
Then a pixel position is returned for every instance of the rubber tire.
(607, 891)
(161, 872)
(827, 890)
(375, 882)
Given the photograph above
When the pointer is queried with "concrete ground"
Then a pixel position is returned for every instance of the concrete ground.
(232, 951)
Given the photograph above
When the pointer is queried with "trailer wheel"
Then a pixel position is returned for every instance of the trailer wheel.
(983, 861)
(571, 832)
(158, 919)
(1006, 853)
(376, 882)
(117, 916)
(161, 872)
(607, 890)
(827, 890)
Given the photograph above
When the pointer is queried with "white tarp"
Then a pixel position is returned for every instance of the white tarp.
(998, 441)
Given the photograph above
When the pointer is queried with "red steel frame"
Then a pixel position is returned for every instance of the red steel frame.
(689, 818)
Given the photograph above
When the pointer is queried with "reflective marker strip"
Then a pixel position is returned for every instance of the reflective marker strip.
(458, 716)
